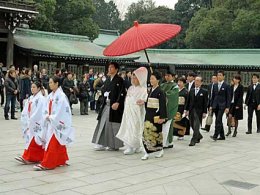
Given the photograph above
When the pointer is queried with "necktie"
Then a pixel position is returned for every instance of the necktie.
(219, 86)
(196, 91)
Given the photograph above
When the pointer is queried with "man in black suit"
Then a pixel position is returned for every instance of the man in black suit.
(214, 80)
(190, 81)
(196, 108)
(252, 102)
(220, 104)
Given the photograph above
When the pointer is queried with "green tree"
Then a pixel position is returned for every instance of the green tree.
(74, 17)
(229, 24)
(44, 20)
(107, 15)
(136, 11)
(66, 16)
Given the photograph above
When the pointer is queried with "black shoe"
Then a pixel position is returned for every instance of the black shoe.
(228, 133)
(204, 129)
(221, 138)
(234, 134)
(258, 131)
(6, 118)
(198, 141)
(214, 138)
(166, 147)
(248, 132)
(82, 114)
(86, 113)
(14, 118)
(192, 144)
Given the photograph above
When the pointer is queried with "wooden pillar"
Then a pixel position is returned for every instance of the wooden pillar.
(10, 50)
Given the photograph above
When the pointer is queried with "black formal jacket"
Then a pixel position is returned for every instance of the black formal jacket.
(238, 101)
(249, 94)
(117, 95)
(198, 102)
(221, 98)
(187, 86)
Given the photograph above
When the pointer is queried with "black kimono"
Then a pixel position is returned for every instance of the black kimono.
(183, 95)
(155, 109)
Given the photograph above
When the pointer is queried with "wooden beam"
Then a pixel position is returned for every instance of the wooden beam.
(3, 39)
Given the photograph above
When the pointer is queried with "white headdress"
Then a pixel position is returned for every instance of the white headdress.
(141, 74)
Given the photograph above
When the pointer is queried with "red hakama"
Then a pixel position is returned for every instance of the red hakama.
(56, 154)
(34, 153)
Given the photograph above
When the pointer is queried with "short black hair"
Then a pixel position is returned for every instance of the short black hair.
(255, 75)
(221, 72)
(191, 74)
(38, 84)
(157, 75)
(237, 77)
(56, 79)
(115, 64)
(182, 79)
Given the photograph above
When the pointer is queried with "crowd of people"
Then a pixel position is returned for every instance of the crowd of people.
(131, 113)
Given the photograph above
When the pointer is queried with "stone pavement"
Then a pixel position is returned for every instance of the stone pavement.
(222, 167)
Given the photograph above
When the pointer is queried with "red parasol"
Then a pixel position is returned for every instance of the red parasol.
(141, 37)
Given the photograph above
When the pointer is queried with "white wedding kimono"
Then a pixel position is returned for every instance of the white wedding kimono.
(32, 118)
(132, 125)
(59, 122)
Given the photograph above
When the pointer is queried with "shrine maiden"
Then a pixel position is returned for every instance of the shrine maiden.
(57, 129)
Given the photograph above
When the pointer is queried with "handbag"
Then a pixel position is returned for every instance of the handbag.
(209, 119)
(73, 98)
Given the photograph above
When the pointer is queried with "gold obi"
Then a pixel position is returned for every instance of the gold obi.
(181, 101)
(153, 103)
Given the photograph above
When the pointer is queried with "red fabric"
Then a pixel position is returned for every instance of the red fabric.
(55, 155)
(140, 37)
(34, 153)
(50, 107)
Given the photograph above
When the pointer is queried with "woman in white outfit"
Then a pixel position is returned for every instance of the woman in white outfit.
(131, 129)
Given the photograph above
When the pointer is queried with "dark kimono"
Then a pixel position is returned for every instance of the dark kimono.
(155, 108)
(183, 95)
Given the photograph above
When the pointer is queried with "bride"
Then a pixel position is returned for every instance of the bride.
(131, 129)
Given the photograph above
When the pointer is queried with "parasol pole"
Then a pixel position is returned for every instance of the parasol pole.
(148, 60)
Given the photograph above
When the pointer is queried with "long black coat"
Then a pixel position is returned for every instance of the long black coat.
(117, 95)
(238, 101)
(25, 87)
(249, 95)
(198, 102)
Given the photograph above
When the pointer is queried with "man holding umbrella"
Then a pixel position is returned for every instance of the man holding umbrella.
(172, 97)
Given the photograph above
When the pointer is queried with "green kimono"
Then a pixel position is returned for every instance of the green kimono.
(172, 98)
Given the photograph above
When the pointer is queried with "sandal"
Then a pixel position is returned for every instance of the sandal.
(23, 161)
(39, 167)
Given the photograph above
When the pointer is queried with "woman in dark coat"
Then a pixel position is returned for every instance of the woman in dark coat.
(236, 107)
(156, 115)
(24, 86)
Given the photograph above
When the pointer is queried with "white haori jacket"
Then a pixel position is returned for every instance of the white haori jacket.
(32, 118)
(59, 121)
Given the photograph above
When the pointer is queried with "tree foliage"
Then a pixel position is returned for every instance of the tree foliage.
(228, 24)
(107, 15)
(66, 16)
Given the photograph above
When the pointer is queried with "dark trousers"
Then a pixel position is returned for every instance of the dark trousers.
(84, 106)
(2, 96)
(251, 108)
(219, 129)
(195, 122)
(10, 99)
